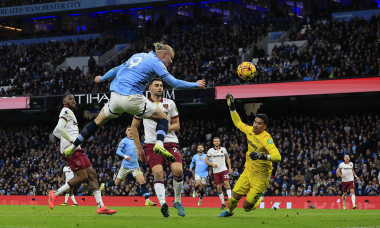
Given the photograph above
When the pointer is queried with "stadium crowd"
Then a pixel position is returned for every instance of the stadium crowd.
(204, 49)
(311, 149)
(336, 49)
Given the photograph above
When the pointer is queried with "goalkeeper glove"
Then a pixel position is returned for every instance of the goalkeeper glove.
(258, 156)
(230, 102)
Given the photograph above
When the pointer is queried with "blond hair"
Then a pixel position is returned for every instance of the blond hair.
(162, 47)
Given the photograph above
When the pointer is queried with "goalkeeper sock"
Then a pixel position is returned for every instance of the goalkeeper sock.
(228, 193)
(73, 199)
(221, 197)
(98, 198)
(66, 187)
(86, 133)
(67, 197)
(162, 129)
(353, 198)
(232, 204)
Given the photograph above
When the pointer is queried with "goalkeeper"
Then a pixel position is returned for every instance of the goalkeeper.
(258, 166)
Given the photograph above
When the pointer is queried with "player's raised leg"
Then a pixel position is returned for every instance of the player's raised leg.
(161, 131)
(89, 130)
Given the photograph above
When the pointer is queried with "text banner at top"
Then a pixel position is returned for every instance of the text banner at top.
(64, 6)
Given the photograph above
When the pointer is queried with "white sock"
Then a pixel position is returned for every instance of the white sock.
(221, 197)
(98, 197)
(67, 197)
(62, 189)
(228, 193)
(177, 190)
(159, 188)
(73, 199)
(353, 198)
(160, 143)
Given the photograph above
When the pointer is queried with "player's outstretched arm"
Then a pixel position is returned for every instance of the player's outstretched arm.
(109, 75)
(235, 116)
(180, 84)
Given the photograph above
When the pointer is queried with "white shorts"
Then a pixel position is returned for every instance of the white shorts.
(123, 172)
(203, 179)
(136, 104)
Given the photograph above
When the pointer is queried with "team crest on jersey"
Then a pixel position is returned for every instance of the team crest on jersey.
(166, 106)
(200, 158)
(270, 141)
(78, 163)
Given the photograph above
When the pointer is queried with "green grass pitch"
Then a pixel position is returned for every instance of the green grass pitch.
(66, 216)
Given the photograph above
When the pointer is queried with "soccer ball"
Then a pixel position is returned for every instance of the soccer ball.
(246, 70)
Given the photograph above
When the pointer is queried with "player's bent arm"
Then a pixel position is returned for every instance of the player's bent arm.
(174, 125)
(178, 84)
(61, 130)
(62, 179)
(338, 173)
(353, 171)
(207, 161)
(239, 124)
(119, 150)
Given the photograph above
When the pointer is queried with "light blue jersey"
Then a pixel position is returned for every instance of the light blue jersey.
(133, 76)
(127, 147)
(201, 168)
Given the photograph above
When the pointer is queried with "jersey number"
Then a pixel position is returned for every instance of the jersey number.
(226, 176)
(134, 62)
(175, 149)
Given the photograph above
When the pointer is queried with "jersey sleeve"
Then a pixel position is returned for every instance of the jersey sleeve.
(209, 154)
(192, 162)
(239, 124)
(267, 142)
(225, 151)
(120, 148)
(65, 114)
(111, 73)
(159, 68)
(173, 110)
(178, 84)
(340, 165)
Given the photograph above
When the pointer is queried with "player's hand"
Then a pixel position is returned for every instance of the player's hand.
(343, 176)
(230, 171)
(215, 165)
(257, 156)
(126, 157)
(202, 83)
(230, 102)
(97, 79)
(141, 154)
(357, 179)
